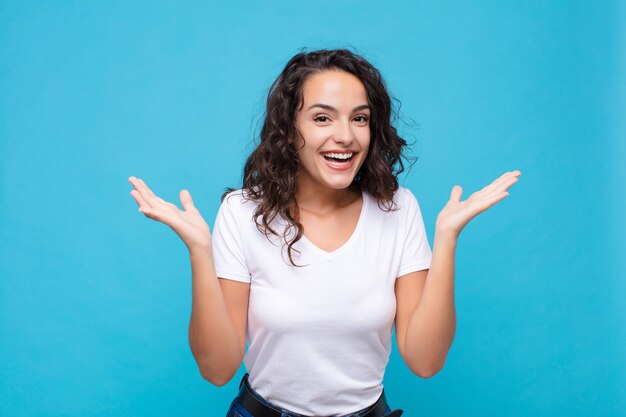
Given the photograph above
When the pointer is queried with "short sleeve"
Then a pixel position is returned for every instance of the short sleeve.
(416, 252)
(227, 243)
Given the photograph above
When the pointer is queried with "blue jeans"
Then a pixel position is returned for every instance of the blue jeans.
(237, 410)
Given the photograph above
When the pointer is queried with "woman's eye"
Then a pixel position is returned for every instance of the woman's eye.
(324, 118)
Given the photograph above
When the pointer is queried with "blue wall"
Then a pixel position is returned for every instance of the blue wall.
(95, 298)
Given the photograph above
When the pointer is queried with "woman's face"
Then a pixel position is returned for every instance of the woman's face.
(335, 124)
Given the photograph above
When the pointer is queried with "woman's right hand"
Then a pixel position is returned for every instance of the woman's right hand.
(188, 223)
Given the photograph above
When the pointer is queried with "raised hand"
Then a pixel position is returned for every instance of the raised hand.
(188, 223)
(456, 214)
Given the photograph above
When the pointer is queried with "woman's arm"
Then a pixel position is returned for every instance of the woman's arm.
(213, 337)
(217, 345)
(427, 323)
(432, 325)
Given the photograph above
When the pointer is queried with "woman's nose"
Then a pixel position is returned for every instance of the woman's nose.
(344, 133)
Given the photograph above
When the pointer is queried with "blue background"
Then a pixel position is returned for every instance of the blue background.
(95, 298)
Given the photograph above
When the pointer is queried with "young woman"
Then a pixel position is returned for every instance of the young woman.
(320, 252)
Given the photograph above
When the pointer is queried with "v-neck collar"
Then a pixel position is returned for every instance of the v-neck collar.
(350, 240)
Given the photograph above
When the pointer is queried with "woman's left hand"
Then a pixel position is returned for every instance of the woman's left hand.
(456, 214)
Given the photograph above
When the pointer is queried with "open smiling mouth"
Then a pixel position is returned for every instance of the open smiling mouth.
(339, 161)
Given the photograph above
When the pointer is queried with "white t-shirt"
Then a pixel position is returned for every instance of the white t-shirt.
(319, 336)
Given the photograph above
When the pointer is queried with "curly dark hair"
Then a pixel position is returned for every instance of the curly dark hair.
(270, 172)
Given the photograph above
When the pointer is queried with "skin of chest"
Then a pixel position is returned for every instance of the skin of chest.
(330, 231)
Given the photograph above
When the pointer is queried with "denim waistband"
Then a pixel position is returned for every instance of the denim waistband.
(245, 385)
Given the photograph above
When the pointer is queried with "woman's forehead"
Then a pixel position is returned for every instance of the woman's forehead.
(339, 89)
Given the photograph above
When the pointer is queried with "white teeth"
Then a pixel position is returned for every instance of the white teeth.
(339, 155)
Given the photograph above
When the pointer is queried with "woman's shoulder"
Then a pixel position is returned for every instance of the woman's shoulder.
(241, 202)
(408, 203)
(402, 204)
(239, 199)
(400, 200)
(404, 196)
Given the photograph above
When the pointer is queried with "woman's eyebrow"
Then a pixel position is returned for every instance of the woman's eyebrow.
(334, 110)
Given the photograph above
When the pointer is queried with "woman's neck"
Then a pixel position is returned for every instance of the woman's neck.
(316, 198)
